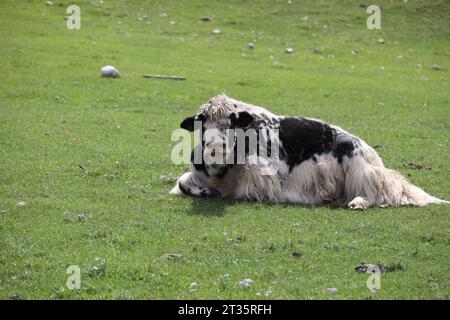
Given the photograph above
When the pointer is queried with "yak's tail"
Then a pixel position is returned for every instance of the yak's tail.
(397, 190)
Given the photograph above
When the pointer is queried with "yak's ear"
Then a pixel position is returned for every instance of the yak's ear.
(188, 123)
(243, 120)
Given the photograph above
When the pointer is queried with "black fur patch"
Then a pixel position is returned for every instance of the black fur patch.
(186, 191)
(302, 138)
(344, 146)
(199, 166)
(222, 172)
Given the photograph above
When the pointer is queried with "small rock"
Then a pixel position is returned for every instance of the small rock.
(381, 41)
(437, 67)
(216, 31)
(317, 50)
(245, 283)
(289, 50)
(49, 3)
(82, 217)
(369, 268)
(98, 268)
(416, 166)
(15, 296)
(172, 256)
(20, 203)
(206, 18)
(305, 18)
(249, 46)
(418, 65)
(396, 266)
(110, 71)
(332, 290)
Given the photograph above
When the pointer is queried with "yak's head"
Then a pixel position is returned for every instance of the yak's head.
(215, 119)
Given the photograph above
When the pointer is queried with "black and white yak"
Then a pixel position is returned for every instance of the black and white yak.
(316, 163)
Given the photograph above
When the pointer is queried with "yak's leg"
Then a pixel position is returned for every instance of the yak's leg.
(359, 203)
(188, 184)
(363, 183)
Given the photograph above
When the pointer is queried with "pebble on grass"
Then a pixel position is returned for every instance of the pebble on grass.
(109, 72)
(332, 290)
(172, 256)
(82, 217)
(249, 46)
(369, 268)
(206, 18)
(245, 283)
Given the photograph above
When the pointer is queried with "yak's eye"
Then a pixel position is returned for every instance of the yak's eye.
(243, 120)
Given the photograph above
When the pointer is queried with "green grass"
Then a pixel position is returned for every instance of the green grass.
(51, 92)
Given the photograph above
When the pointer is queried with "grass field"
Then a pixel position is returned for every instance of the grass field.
(90, 157)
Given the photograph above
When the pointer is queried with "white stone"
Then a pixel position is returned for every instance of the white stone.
(289, 50)
(110, 71)
(245, 283)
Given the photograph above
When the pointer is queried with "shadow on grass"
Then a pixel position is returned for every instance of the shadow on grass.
(210, 206)
(218, 206)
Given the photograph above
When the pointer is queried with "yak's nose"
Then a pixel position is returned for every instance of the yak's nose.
(216, 153)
